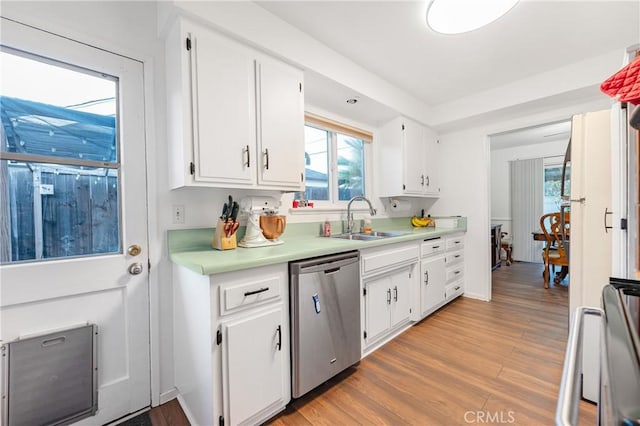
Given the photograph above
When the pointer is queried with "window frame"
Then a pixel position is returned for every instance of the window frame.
(332, 152)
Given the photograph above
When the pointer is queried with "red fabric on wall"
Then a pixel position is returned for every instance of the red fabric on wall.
(625, 84)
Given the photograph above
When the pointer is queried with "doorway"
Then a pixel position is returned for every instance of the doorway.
(525, 183)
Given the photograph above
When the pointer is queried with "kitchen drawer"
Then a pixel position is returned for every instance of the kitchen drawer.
(238, 296)
(453, 290)
(455, 243)
(455, 272)
(431, 246)
(454, 257)
(379, 259)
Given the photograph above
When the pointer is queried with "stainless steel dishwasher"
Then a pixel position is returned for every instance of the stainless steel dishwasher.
(325, 318)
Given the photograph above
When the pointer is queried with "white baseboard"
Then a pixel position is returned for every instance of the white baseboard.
(168, 395)
(475, 296)
(186, 410)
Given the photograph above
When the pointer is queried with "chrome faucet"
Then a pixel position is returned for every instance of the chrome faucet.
(350, 215)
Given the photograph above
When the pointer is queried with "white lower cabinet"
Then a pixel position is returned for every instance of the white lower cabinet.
(231, 336)
(432, 286)
(389, 279)
(253, 361)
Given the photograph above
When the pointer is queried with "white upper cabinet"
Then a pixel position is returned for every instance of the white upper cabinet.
(235, 115)
(281, 123)
(408, 160)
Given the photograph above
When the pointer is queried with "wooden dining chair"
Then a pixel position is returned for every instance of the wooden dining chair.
(554, 251)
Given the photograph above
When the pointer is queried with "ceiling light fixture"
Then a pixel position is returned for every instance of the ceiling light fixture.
(461, 16)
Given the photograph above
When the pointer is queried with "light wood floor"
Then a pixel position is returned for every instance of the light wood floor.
(470, 362)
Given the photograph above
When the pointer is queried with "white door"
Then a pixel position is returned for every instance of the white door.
(280, 124)
(432, 285)
(377, 307)
(253, 358)
(590, 242)
(224, 116)
(414, 157)
(401, 296)
(86, 201)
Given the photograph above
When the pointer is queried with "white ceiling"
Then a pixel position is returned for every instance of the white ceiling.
(391, 40)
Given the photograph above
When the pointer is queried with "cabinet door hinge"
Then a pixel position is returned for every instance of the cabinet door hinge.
(364, 291)
(221, 421)
(218, 337)
(300, 87)
(188, 44)
(365, 334)
(192, 168)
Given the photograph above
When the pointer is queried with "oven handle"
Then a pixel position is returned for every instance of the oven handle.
(569, 395)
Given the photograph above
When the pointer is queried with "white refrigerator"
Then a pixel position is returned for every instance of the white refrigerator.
(599, 205)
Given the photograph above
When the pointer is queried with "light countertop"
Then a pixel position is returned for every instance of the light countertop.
(191, 248)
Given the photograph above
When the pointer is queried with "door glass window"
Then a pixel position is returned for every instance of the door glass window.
(59, 160)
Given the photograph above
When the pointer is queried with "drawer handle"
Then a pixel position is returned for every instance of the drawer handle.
(251, 293)
(53, 341)
(435, 247)
(279, 344)
(457, 272)
(457, 288)
(456, 256)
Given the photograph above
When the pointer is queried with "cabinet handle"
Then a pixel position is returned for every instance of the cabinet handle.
(395, 293)
(456, 256)
(248, 163)
(427, 180)
(388, 296)
(262, 290)
(456, 272)
(435, 247)
(457, 288)
(426, 277)
(266, 161)
(279, 344)
(422, 182)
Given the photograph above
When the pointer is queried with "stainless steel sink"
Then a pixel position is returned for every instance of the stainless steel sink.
(386, 234)
(361, 237)
(375, 235)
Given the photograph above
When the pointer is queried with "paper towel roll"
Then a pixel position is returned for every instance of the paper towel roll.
(399, 206)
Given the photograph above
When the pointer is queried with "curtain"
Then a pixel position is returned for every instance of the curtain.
(526, 208)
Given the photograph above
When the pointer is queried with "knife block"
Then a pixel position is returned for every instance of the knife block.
(222, 242)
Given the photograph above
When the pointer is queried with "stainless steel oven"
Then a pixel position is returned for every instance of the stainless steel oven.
(619, 395)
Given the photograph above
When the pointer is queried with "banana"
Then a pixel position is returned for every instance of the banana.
(420, 222)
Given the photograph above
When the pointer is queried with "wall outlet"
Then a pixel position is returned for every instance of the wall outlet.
(178, 213)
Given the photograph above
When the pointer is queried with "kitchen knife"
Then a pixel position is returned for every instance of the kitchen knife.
(234, 211)
(225, 212)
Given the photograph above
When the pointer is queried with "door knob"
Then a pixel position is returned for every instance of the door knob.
(134, 250)
(135, 268)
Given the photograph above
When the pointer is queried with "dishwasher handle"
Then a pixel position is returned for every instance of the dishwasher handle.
(569, 394)
(326, 264)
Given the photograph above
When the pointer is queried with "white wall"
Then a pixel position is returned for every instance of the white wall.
(500, 175)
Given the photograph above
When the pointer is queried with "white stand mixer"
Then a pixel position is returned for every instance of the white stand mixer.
(253, 207)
